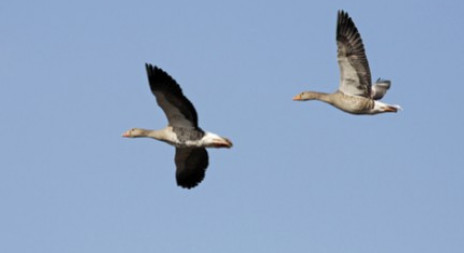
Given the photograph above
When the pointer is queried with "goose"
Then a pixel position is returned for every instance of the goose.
(182, 131)
(355, 94)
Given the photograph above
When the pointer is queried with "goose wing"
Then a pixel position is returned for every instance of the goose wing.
(380, 88)
(178, 109)
(191, 166)
(355, 75)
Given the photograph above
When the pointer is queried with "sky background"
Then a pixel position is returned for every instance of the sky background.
(301, 177)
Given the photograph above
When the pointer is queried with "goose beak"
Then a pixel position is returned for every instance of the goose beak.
(297, 97)
(126, 134)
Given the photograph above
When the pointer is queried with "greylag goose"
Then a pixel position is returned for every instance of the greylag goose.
(191, 157)
(355, 94)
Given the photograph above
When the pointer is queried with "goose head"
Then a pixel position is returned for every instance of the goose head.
(135, 132)
(311, 95)
(303, 96)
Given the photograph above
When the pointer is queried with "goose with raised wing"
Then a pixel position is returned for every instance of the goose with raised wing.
(356, 94)
(183, 132)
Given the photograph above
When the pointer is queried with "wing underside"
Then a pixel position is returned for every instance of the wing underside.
(191, 164)
(177, 108)
(355, 76)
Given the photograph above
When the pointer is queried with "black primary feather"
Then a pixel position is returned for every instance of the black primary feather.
(191, 166)
(162, 83)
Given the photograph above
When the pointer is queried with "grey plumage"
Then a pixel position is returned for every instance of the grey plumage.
(355, 74)
(182, 132)
(188, 134)
(355, 93)
(380, 88)
(191, 163)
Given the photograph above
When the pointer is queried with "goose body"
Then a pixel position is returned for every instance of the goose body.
(183, 132)
(356, 94)
(181, 137)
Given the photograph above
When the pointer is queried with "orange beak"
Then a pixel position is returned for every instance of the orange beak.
(297, 98)
(126, 134)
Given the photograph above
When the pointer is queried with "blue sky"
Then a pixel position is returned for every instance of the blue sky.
(301, 177)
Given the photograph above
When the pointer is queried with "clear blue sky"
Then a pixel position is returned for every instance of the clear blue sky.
(302, 177)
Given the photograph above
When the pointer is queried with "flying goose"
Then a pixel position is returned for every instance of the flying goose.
(182, 131)
(355, 94)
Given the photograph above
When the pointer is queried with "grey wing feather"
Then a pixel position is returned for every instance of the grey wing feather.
(191, 164)
(355, 75)
(380, 88)
(178, 109)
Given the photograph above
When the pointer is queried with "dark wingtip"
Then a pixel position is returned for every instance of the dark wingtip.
(346, 26)
(149, 69)
(157, 76)
(342, 15)
(189, 182)
(344, 19)
(187, 185)
(152, 69)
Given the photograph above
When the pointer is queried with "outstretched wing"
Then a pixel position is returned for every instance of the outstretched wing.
(355, 75)
(191, 166)
(178, 109)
